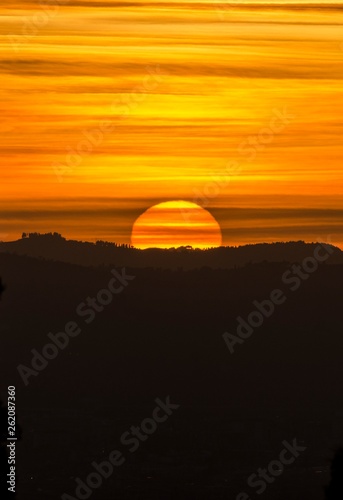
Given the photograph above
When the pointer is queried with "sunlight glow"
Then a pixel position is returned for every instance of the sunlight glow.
(175, 224)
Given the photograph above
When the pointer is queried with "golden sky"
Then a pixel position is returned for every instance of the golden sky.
(109, 107)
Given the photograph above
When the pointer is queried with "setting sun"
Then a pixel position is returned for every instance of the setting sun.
(175, 224)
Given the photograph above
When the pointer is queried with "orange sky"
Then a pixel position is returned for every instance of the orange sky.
(182, 100)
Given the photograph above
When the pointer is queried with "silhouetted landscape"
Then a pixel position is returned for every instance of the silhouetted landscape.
(54, 246)
(171, 250)
(162, 335)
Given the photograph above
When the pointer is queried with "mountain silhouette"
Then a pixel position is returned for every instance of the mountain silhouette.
(55, 247)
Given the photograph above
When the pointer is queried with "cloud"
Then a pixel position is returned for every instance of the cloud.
(224, 81)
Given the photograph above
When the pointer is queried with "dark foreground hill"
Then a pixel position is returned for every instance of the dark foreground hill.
(162, 335)
(55, 247)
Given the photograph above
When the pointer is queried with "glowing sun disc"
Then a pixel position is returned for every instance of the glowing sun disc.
(176, 224)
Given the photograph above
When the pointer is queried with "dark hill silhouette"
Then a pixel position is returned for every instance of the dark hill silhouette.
(163, 336)
(53, 246)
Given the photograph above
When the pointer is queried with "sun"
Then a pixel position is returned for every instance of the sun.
(175, 224)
